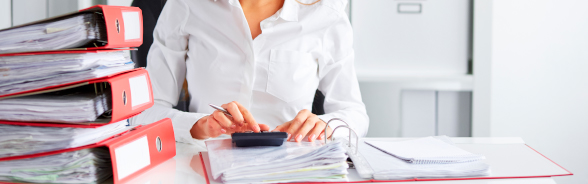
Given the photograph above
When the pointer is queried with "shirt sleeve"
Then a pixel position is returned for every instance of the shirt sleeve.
(338, 81)
(166, 64)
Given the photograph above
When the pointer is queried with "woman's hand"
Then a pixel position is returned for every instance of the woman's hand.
(305, 124)
(218, 123)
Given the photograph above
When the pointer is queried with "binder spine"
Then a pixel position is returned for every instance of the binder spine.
(158, 136)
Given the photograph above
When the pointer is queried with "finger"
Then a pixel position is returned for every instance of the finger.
(329, 132)
(282, 127)
(243, 129)
(240, 129)
(233, 109)
(264, 127)
(222, 120)
(319, 127)
(297, 122)
(214, 129)
(248, 117)
(308, 125)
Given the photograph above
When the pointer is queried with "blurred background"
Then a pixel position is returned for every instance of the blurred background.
(466, 68)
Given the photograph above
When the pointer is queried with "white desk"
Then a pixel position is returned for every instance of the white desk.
(186, 167)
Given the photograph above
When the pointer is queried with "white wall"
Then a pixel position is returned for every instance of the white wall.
(482, 57)
(59, 7)
(25, 11)
(5, 14)
(538, 73)
(120, 2)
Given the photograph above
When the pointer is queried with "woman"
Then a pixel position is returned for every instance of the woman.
(262, 59)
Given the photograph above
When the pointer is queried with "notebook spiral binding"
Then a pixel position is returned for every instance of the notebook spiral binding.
(361, 165)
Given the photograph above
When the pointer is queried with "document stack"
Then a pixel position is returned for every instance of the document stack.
(28, 71)
(66, 92)
(291, 162)
(72, 31)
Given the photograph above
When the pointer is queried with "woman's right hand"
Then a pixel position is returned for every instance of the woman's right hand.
(218, 123)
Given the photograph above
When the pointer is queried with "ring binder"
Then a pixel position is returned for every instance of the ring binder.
(347, 126)
(116, 83)
(359, 163)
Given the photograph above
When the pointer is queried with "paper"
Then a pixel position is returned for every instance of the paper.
(61, 106)
(140, 93)
(425, 150)
(71, 32)
(132, 25)
(291, 162)
(383, 166)
(24, 140)
(132, 157)
(82, 166)
(27, 72)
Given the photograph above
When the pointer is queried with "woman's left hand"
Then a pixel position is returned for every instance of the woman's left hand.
(305, 124)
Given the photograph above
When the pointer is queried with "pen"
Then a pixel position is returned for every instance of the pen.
(220, 109)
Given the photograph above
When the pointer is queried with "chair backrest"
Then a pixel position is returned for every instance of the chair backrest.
(151, 10)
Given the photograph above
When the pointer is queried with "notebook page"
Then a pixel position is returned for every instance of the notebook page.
(425, 150)
(386, 167)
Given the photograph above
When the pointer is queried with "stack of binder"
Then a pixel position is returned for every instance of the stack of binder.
(66, 92)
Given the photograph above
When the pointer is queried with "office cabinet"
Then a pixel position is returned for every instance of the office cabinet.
(413, 65)
(415, 107)
(411, 37)
(434, 113)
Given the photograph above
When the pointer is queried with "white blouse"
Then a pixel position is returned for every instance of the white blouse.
(301, 48)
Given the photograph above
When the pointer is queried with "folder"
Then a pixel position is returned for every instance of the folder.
(527, 163)
(130, 93)
(32, 70)
(110, 27)
(507, 161)
(69, 51)
(133, 152)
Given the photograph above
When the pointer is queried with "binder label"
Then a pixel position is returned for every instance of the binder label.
(139, 90)
(131, 24)
(132, 157)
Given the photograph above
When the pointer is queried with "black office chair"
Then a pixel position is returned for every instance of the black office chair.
(151, 10)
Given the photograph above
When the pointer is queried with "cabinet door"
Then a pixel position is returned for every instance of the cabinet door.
(418, 113)
(411, 37)
(454, 113)
(431, 113)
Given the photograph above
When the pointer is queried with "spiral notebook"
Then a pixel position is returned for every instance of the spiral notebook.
(426, 150)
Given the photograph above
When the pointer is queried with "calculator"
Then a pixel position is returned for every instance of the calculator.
(263, 138)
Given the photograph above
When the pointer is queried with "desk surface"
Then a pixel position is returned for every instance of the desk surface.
(186, 166)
